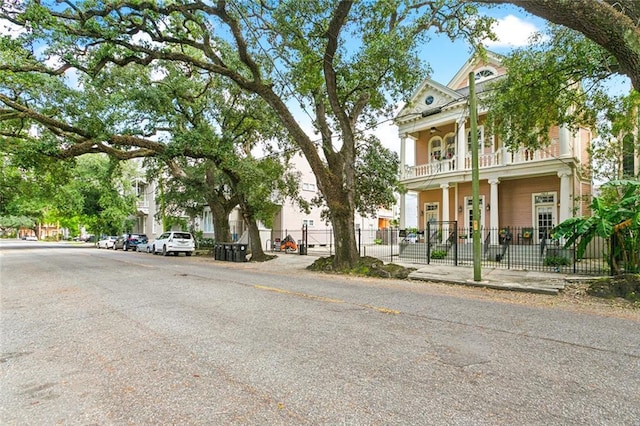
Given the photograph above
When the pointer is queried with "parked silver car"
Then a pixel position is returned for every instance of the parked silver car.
(174, 242)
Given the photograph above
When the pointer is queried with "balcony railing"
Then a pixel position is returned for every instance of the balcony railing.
(499, 158)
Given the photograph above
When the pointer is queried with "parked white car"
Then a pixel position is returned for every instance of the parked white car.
(174, 242)
(107, 242)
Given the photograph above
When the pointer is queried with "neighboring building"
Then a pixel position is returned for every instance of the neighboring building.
(146, 219)
(291, 219)
(525, 188)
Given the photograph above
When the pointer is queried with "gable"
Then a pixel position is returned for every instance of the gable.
(431, 96)
(484, 69)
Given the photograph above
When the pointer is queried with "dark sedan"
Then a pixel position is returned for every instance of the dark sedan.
(130, 241)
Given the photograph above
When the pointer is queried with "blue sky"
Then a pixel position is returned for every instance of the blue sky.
(513, 29)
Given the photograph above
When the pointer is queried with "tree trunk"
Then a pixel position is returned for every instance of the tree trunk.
(255, 242)
(257, 253)
(221, 228)
(342, 219)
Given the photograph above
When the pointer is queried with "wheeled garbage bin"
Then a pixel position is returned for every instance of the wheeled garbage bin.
(228, 252)
(239, 252)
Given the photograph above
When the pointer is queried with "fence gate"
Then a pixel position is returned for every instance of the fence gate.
(442, 241)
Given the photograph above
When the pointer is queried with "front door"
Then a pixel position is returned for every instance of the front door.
(431, 216)
(545, 221)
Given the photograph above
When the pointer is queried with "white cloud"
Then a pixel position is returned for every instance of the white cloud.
(10, 29)
(511, 32)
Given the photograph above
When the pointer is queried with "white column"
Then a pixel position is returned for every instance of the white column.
(565, 141)
(445, 210)
(493, 213)
(403, 211)
(565, 195)
(403, 155)
(461, 149)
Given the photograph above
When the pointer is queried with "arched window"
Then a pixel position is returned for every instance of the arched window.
(480, 139)
(435, 149)
(485, 74)
(450, 145)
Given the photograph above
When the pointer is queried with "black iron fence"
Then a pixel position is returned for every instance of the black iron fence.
(521, 248)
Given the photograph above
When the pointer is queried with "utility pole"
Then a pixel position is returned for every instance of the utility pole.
(475, 180)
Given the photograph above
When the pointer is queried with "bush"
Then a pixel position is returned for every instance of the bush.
(438, 254)
(205, 243)
(556, 261)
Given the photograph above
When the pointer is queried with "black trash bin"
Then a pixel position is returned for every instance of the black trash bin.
(239, 252)
(219, 251)
(302, 249)
(215, 251)
(228, 252)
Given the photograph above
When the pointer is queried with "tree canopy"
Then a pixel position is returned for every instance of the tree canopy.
(561, 78)
(612, 24)
(342, 63)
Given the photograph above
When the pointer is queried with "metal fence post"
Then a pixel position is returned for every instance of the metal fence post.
(455, 242)
(427, 238)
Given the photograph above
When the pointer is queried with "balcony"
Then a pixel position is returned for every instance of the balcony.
(500, 158)
(143, 206)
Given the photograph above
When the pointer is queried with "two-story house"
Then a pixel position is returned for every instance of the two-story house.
(532, 189)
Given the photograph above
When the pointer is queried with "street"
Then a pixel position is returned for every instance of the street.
(109, 337)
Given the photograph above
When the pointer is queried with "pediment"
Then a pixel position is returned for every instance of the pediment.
(430, 96)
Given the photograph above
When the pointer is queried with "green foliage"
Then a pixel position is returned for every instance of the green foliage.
(618, 216)
(376, 177)
(559, 79)
(556, 261)
(16, 222)
(438, 254)
(616, 139)
(344, 64)
(175, 222)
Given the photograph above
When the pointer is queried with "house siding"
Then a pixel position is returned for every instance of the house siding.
(515, 199)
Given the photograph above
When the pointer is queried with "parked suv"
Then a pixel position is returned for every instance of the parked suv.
(174, 242)
(129, 241)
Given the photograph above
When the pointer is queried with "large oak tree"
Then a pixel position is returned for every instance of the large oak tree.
(341, 63)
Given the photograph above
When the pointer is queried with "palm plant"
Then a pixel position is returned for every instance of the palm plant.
(615, 219)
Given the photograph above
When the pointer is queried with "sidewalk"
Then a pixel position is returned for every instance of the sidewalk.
(502, 279)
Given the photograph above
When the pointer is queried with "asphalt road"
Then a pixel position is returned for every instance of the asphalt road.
(101, 337)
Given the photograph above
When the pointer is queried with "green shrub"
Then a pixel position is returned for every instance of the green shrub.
(556, 261)
(205, 243)
(438, 254)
